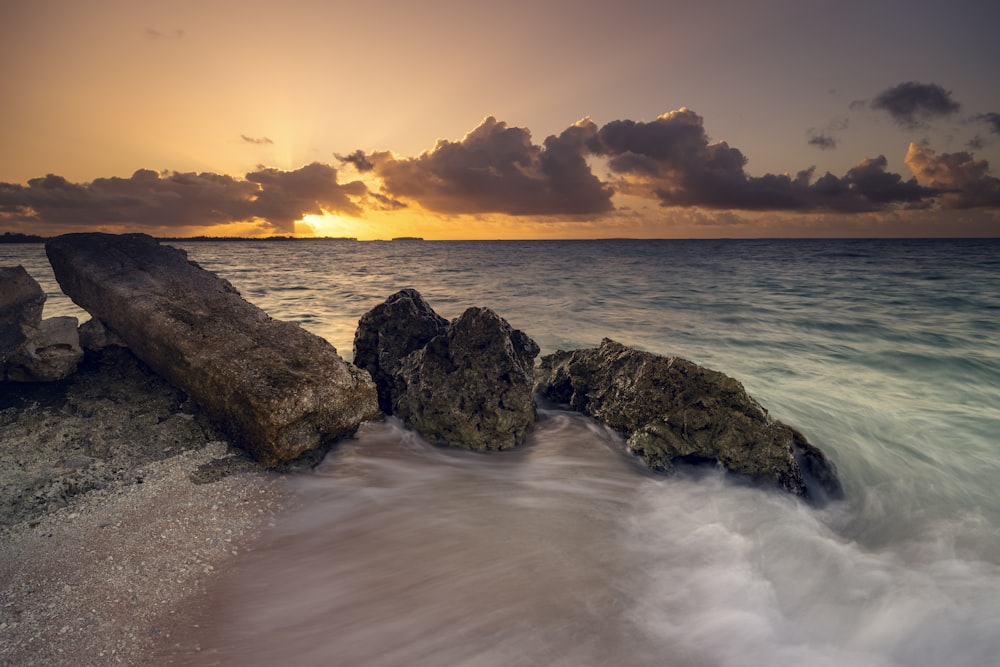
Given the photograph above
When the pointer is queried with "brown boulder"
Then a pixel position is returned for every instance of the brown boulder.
(278, 390)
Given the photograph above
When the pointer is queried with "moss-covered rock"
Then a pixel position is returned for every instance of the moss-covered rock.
(672, 410)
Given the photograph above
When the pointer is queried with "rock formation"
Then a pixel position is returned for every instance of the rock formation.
(672, 410)
(402, 324)
(467, 384)
(276, 389)
(21, 302)
(33, 349)
(52, 353)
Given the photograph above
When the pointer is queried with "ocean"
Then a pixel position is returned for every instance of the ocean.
(885, 353)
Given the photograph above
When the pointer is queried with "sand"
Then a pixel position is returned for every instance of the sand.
(120, 505)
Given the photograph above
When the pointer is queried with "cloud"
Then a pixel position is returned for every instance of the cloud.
(964, 180)
(255, 140)
(358, 159)
(496, 168)
(173, 199)
(823, 141)
(285, 196)
(672, 159)
(911, 104)
(991, 119)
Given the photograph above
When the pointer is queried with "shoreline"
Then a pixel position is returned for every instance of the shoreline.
(120, 505)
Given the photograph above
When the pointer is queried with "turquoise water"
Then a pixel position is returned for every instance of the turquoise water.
(884, 353)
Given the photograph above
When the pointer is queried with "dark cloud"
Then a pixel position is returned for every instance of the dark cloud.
(911, 104)
(149, 199)
(255, 140)
(497, 169)
(870, 180)
(358, 159)
(285, 196)
(964, 180)
(992, 121)
(672, 160)
(826, 139)
(823, 141)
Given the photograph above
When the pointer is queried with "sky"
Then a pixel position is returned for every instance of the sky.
(455, 119)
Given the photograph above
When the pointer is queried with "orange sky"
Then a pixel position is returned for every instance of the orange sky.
(542, 119)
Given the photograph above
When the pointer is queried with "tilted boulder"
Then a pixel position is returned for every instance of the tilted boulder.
(52, 353)
(402, 324)
(278, 390)
(21, 303)
(672, 410)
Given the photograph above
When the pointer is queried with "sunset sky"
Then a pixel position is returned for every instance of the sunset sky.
(520, 119)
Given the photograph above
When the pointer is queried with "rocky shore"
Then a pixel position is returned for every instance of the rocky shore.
(119, 502)
(121, 490)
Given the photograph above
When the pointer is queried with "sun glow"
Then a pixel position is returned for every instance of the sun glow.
(327, 225)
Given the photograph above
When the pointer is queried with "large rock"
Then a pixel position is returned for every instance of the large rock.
(52, 353)
(672, 410)
(21, 302)
(278, 390)
(467, 383)
(402, 324)
(471, 386)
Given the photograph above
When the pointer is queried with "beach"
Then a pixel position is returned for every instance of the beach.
(121, 504)
(566, 550)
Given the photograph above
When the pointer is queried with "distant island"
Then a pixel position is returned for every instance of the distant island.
(11, 237)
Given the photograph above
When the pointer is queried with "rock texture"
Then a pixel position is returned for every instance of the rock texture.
(51, 354)
(402, 324)
(672, 410)
(467, 383)
(21, 302)
(276, 389)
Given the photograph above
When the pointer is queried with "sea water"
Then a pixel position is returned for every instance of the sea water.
(885, 353)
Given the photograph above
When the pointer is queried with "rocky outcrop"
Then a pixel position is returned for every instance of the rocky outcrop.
(276, 389)
(94, 336)
(402, 324)
(33, 349)
(467, 383)
(21, 302)
(672, 410)
(52, 353)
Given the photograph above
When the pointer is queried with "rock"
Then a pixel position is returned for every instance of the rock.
(469, 386)
(94, 336)
(402, 324)
(276, 389)
(21, 302)
(672, 410)
(52, 353)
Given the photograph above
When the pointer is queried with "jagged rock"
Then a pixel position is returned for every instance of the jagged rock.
(21, 302)
(94, 336)
(469, 386)
(276, 389)
(402, 324)
(52, 353)
(671, 410)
